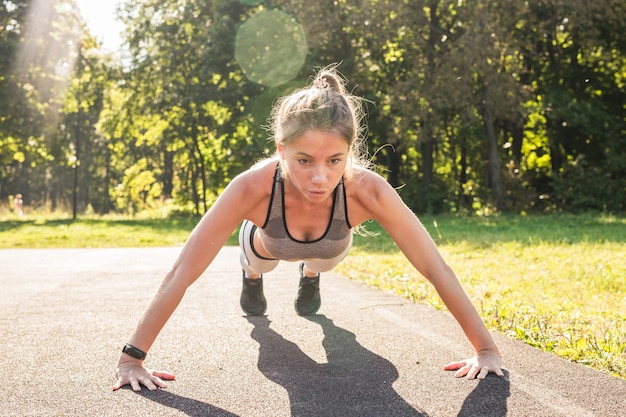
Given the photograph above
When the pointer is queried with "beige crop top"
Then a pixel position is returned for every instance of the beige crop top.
(281, 245)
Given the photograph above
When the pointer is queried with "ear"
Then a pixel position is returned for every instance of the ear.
(281, 150)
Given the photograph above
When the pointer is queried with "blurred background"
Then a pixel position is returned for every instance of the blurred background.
(473, 107)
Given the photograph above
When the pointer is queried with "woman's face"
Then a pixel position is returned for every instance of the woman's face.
(314, 164)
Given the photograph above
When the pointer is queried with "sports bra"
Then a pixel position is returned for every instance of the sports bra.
(279, 243)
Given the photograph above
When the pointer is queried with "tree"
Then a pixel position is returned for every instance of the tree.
(506, 105)
(573, 51)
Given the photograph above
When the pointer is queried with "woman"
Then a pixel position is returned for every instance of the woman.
(302, 205)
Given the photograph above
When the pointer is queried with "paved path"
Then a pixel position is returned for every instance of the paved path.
(66, 313)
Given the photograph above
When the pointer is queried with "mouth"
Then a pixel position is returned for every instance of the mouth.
(318, 193)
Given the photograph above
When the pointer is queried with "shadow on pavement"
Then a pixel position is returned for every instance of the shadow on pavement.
(489, 398)
(354, 382)
(191, 407)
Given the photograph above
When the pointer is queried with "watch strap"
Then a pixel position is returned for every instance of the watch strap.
(134, 351)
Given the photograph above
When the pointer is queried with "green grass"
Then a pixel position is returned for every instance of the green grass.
(93, 233)
(557, 282)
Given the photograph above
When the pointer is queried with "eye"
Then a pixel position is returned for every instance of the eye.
(303, 161)
(334, 161)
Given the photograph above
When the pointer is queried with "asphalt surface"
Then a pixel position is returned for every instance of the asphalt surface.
(66, 313)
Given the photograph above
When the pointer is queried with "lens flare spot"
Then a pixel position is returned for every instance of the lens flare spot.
(271, 48)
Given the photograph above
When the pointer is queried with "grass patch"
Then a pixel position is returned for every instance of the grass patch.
(93, 233)
(557, 282)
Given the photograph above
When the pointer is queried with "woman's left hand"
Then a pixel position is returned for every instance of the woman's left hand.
(479, 366)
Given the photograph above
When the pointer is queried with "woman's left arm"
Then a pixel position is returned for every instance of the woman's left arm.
(388, 209)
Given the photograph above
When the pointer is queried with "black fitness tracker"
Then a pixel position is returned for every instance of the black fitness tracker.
(133, 351)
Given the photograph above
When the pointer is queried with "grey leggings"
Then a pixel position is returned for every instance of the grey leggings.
(253, 263)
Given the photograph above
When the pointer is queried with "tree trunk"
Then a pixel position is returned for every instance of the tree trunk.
(494, 165)
(200, 167)
(168, 174)
(428, 141)
(463, 198)
(518, 141)
(428, 147)
(393, 165)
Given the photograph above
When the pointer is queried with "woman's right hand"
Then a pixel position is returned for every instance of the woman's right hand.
(132, 372)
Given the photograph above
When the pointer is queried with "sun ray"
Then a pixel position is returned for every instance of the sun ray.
(49, 50)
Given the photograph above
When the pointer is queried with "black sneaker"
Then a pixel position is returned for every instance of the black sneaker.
(252, 300)
(309, 300)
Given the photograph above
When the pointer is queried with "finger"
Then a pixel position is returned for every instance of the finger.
(158, 382)
(454, 366)
(473, 371)
(135, 386)
(483, 373)
(149, 382)
(164, 375)
(462, 371)
(118, 385)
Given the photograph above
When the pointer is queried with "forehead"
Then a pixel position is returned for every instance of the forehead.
(315, 140)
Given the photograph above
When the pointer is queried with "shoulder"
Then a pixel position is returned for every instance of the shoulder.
(365, 183)
(250, 191)
(369, 196)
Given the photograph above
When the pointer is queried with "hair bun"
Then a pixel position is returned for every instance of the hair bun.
(327, 80)
(321, 83)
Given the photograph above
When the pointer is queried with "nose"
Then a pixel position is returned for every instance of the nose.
(319, 176)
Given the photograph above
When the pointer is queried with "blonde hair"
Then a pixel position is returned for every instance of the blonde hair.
(323, 105)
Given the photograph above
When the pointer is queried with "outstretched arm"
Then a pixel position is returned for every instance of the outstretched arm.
(204, 243)
(417, 245)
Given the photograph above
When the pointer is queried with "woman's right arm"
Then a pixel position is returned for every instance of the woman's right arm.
(206, 240)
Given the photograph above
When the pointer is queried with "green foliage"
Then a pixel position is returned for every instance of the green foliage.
(139, 189)
(489, 106)
(424, 198)
(582, 188)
